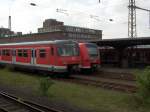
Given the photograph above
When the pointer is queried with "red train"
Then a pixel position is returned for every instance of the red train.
(90, 57)
(55, 56)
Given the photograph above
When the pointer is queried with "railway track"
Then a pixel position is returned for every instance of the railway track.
(119, 76)
(102, 82)
(9, 103)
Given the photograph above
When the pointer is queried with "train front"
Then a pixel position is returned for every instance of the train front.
(68, 53)
(89, 56)
(93, 55)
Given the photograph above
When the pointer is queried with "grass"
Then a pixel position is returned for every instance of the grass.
(95, 99)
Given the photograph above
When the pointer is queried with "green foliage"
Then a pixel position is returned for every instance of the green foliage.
(143, 84)
(45, 84)
(88, 97)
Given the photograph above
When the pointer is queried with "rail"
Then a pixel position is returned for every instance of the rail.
(10, 103)
(107, 84)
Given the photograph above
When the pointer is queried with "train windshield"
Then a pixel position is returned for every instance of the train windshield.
(71, 49)
(92, 49)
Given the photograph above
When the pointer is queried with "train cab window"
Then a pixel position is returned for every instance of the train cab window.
(42, 53)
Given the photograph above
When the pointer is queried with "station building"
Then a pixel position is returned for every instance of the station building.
(125, 52)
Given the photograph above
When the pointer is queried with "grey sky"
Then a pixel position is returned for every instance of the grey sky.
(27, 18)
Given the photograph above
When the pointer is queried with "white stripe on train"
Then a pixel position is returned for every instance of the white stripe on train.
(49, 67)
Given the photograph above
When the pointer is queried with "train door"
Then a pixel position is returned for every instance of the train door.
(13, 56)
(33, 56)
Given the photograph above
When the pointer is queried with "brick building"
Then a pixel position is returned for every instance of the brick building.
(73, 32)
(56, 30)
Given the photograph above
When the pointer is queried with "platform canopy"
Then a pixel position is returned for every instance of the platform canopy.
(124, 42)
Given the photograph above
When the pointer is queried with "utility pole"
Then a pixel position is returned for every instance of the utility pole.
(132, 19)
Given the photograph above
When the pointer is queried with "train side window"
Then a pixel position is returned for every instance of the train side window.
(0, 53)
(7, 52)
(20, 54)
(42, 53)
(3, 52)
(25, 53)
(52, 51)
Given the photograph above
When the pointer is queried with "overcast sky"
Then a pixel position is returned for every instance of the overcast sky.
(27, 18)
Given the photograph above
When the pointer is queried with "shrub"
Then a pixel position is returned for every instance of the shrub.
(143, 84)
(45, 84)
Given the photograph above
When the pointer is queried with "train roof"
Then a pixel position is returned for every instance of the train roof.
(38, 42)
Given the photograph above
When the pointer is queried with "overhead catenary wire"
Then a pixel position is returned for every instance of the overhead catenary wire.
(85, 14)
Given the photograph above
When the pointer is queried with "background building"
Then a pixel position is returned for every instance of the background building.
(52, 30)
(73, 32)
(5, 32)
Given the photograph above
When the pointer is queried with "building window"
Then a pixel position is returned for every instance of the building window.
(78, 29)
(92, 31)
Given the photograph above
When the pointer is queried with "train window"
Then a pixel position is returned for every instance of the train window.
(68, 50)
(52, 51)
(92, 50)
(0, 53)
(25, 53)
(20, 54)
(6, 52)
(3, 52)
(42, 53)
